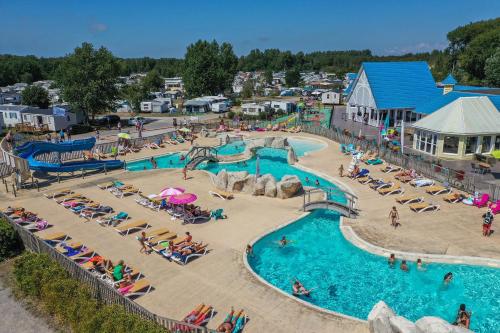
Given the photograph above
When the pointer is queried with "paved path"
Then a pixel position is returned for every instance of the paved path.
(15, 318)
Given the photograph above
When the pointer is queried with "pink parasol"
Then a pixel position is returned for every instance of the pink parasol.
(182, 199)
(169, 191)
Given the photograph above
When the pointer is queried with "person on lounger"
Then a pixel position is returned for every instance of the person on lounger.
(228, 325)
(119, 271)
(299, 289)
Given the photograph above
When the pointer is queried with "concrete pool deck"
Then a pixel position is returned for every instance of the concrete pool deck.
(220, 278)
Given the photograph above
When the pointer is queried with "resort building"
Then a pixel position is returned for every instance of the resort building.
(174, 83)
(53, 119)
(330, 97)
(390, 88)
(253, 109)
(460, 129)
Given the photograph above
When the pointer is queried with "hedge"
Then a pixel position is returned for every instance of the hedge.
(69, 301)
(10, 243)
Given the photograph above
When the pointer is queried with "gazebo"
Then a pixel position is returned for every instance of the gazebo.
(458, 130)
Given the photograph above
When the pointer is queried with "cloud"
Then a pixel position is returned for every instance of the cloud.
(415, 48)
(98, 27)
(263, 39)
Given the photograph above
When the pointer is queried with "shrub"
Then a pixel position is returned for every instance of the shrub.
(10, 243)
(70, 301)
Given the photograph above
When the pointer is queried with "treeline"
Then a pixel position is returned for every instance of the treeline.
(473, 56)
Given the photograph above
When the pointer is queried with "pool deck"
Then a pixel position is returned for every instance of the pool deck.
(220, 278)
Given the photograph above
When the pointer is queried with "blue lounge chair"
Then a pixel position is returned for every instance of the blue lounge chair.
(217, 214)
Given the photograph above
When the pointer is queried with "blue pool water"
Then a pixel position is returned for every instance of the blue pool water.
(232, 148)
(350, 281)
(303, 146)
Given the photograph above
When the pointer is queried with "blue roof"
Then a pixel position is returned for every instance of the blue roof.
(352, 76)
(461, 88)
(442, 100)
(404, 84)
(348, 89)
(449, 80)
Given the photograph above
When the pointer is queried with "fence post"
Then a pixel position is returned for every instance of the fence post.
(14, 190)
(6, 186)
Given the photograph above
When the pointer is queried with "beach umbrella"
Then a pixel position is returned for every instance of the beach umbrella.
(124, 136)
(182, 199)
(184, 129)
(169, 191)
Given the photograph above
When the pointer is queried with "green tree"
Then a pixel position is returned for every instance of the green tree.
(153, 81)
(134, 94)
(268, 76)
(492, 69)
(292, 78)
(88, 78)
(35, 96)
(208, 68)
(247, 90)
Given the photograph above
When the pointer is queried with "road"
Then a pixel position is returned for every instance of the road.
(155, 125)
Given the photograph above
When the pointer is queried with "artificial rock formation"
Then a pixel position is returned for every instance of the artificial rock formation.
(288, 187)
(382, 319)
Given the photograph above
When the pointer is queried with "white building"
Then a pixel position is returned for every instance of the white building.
(158, 105)
(174, 83)
(253, 109)
(55, 119)
(330, 97)
(219, 107)
(286, 106)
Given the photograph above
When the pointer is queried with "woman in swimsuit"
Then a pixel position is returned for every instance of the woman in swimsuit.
(394, 216)
(463, 317)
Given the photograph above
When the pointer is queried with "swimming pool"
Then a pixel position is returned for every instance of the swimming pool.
(300, 146)
(232, 148)
(351, 281)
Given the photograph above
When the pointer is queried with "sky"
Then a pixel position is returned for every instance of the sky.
(163, 28)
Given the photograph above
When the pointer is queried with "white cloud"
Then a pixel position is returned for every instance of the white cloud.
(415, 48)
(98, 27)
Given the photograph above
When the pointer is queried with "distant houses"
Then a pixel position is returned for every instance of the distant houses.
(52, 119)
(253, 109)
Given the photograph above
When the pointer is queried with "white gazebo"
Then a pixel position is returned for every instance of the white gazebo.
(458, 130)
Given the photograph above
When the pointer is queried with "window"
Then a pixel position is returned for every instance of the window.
(12, 115)
(470, 144)
(426, 142)
(497, 142)
(486, 144)
(450, 145)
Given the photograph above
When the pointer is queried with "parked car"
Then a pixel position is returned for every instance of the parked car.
(134, 120)
(109, 120)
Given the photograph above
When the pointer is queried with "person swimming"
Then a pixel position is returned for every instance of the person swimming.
(420, 266)
(404, 267)
(307, 180)
(299, 289)
(317, 182)
(447, 278)
(283, 241)
(392, 260)
(463, 317)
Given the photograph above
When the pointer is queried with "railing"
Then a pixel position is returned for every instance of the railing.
(13, 163)
(455, 178)
(347, 209)
(100, 289)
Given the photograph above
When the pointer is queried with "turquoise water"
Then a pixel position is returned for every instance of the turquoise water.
(232, 148)
(302, 146)
(350, 281)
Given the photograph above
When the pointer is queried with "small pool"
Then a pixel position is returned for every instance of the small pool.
(232, 148)
(303, 146)
(349, 280)
(164, 162)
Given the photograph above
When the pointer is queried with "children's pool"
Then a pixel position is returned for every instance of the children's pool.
(349, 280)
(232, 148)
(300, 146)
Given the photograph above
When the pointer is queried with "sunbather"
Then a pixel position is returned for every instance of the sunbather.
(230, 322)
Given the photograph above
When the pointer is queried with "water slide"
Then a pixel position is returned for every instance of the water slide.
(31, 150)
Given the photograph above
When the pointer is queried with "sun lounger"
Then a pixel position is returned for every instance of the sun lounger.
(409, 199)
(405, 179)
(120, 193)
(390, 168)
(114, 220)
(38, 225)
(422, 182)
(63, 247)
(184, 259)
(105, 186)
(380, 184)
(91, 212)
(59, 193)
(221, 194)
(156, 232)
(390, 190)
(481, 201)
(200, 316)
(164, 243)
(241, 320)
(132, 227)
(453, 197)
(85, 255)
(436, 190)
(139, 288)
(69, 197)
(153, 241)
(374, 161)
(55, 238)
(423, 207)
(190, 218)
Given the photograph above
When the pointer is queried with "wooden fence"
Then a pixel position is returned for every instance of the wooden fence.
(455, 178)
(99, 288)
